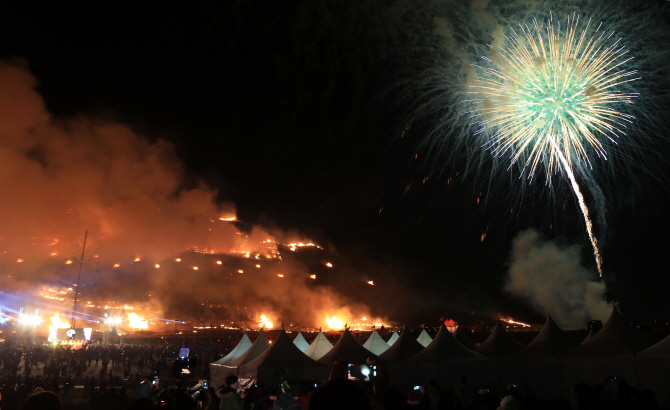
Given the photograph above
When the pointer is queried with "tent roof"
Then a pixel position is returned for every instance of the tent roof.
(589, 336)
(300, 342)
(242, 346)
(424, 338)
(458, 335)
(393, 338)
(376, 344)
(616, 337)
(444, 348)
(349, 349)
(260, 345)
(320, 346)
(406, 346)
(499, 343)
(662, 347)
(550, 342)
(282, 353)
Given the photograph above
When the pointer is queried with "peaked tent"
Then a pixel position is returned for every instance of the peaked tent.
(550, 342)
(393, 338)
(406, 346)
(654, 367)
(300, 342)
(498, 344)
(242, 346)
(219, 372)
(424, 338)
(616, 337)
(444, 348)
(445, 360)
(349, 349)
(458, 335)
(320, 346)
(283, 359)
(589, 336)
(375, 343)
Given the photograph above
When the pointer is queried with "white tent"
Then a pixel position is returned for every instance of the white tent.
(242, 346)
(550, 342)
(655, 370)
(282, 360)
(347, 348)
(300, 342)
(393, 338)
(405, 347)
(320, 346)
(424, 338)
(219, 372)
(376, 344)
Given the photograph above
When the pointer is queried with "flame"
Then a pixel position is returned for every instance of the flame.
(19, 260)
(330, 265)
(178, 260)
(158, 266)
(231, 218)
(295, 246)
(281, 275)
(68, 262)
(219, 262)
(371, 282)
(312, 276)
(137, 322)
(258, 266)
(240, 271)
(334, 322)
(116, 265)
(265, 322)
(512, 322)
(195, 268)
(56, 324)
(137, 259)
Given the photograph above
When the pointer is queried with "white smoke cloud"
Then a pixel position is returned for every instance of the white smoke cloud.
(551, 277)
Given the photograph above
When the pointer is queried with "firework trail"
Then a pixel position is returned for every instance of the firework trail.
(550, 96)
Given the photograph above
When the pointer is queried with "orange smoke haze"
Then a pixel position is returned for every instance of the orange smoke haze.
(60, 177)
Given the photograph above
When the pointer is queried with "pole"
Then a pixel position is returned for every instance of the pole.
(81, 263)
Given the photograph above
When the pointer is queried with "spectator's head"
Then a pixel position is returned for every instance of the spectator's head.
(582, 396)
(44, 400)
(231, 381)
(339, 394)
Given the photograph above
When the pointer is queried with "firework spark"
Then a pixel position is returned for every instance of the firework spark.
(549, 98)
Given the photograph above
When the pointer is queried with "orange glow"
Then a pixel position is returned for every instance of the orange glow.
(265, 322)
(258, 266)
(137, 259)
(312, 276)
(330, 265)
(116, 265)
(54, 253)
(240, 271)
(178, 260)
(195, 268)
(219, 262)
(137, 322)
(68, 262)
(512, 322)
(334, 322)
(19, 260)
(158, 266)
(281, 275)
(230, 218)
(294, 246)
(371, 282)
(56, 324)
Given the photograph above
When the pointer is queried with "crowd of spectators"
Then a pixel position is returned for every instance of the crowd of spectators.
(117, 377)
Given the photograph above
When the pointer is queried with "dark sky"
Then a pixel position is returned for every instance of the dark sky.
(293, 111)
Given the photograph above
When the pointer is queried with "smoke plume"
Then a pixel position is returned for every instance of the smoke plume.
(155, 240)
(551, 277)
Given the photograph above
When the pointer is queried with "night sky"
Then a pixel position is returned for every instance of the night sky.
(296, 112)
